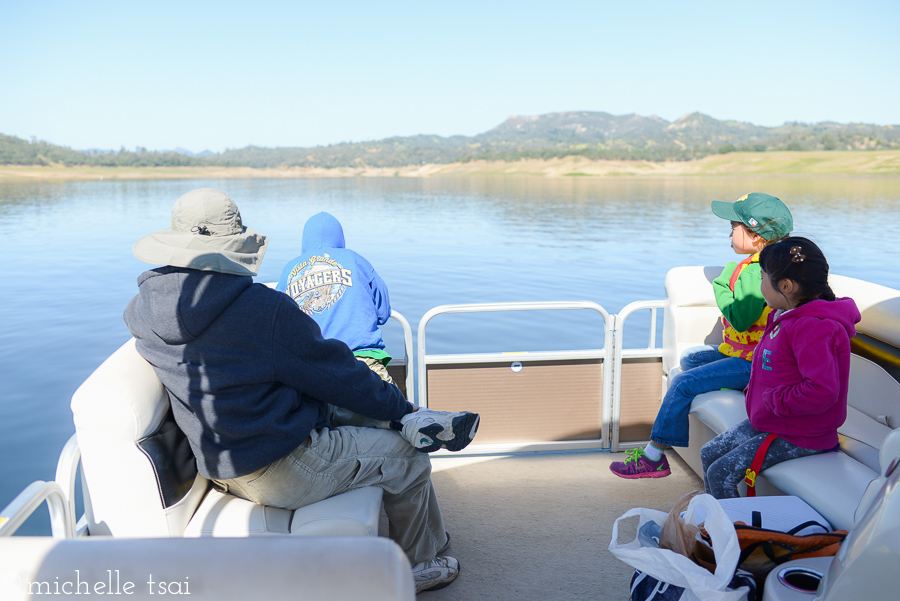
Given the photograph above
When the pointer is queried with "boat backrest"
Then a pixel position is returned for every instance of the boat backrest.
(878, 305)
(138, 470)
(691, 316)
(889, 455)
(205, 569)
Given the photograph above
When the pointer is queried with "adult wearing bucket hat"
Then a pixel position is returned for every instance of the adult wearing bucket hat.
(207, 234)
(250, 376)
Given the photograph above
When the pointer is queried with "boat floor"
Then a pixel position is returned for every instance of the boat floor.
(537, 526)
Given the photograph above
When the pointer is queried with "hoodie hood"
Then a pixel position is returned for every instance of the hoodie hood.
(170, 298)
(322, 231)
(840, 310)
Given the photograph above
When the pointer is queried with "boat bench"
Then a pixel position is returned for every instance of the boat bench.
(206, 569)
(832, 483)
(140, 477)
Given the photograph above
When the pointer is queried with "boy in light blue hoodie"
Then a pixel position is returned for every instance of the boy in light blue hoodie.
(344, 294)
(340, 290)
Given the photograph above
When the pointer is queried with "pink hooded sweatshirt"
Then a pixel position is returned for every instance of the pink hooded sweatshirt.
(798, 382)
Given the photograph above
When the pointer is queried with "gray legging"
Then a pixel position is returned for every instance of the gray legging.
(727, 457)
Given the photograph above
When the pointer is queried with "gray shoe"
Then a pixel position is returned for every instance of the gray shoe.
(429, 430)
(435, 574)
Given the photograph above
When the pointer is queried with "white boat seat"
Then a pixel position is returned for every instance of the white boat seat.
(888, 457)
(835, 484)
(720, 409)
(354, 513)
(141, 479)
(230, 569)
(861, 437)
(832, 483)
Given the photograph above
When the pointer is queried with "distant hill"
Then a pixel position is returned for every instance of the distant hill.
(203, 153)
(591, 134)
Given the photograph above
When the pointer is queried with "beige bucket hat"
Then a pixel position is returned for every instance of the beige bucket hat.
(206, 234)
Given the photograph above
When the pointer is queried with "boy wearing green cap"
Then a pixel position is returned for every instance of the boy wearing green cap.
(757, 220)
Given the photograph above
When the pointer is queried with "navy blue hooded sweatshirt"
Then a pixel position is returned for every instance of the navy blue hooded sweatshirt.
(337, 287)
(248, 374)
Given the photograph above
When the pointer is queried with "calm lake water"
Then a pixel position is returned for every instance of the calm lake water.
(68, 271)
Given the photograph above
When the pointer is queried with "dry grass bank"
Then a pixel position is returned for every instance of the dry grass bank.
(807, 164)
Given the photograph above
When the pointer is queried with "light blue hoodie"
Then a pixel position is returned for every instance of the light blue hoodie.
(338, 288)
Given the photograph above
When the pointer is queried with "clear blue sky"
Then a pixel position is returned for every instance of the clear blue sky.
(217, 75)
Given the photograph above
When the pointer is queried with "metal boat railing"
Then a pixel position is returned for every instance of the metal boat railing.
(27, 502)
(407, 350)
(59, 494)
(620, 353)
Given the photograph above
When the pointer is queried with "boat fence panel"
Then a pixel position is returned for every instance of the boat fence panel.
(531, 400)
(637, 382)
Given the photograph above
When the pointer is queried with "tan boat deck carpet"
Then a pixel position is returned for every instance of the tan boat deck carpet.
(536, 526)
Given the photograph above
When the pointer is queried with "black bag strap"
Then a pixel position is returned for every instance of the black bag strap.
(808, 524)
(756, 522)
(767, 549)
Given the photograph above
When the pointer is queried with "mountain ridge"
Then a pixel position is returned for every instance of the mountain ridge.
(590, 134)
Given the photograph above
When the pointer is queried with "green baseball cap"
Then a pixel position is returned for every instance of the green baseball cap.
(763, 214)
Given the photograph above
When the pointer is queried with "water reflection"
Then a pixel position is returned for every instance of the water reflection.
(69, 271)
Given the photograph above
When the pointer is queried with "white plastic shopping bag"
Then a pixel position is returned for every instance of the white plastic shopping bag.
(676, 569)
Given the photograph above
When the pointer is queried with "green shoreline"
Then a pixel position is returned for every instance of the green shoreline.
(867, 164)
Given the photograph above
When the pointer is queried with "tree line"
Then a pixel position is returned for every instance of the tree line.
(417, 150)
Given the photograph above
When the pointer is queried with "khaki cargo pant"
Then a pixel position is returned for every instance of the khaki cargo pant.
(333, 461)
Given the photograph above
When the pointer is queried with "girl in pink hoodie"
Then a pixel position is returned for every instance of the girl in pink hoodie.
(798, 379)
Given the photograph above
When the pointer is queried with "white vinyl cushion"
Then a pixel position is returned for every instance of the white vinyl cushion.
(832, 483)
(691, 317)
(222, 514)
(861, 437)
(878, 305)
(354, 513)
(206, 569)
(720, 409)
(120, 403)
(890, 452)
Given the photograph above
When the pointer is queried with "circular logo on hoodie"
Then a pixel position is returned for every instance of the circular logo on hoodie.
(318, 283)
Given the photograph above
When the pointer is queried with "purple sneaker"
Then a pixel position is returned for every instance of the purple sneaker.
(638, 465)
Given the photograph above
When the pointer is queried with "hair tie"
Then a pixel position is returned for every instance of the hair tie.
(203, 231)
(796, 257)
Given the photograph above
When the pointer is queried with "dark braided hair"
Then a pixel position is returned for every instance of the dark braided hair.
(800, 260)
